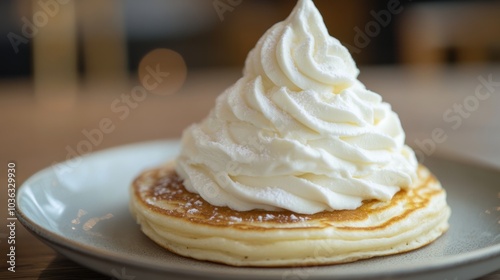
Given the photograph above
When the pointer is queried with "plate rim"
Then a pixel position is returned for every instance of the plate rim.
(431, 265)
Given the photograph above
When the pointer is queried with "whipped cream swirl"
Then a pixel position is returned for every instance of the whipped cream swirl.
(298, 131)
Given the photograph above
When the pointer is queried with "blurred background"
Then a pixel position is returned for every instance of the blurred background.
(66, 64)
(106, 39)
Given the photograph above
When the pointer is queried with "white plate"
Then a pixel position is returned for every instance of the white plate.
(80, 208)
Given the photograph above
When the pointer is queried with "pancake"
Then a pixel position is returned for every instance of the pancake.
(183, 223)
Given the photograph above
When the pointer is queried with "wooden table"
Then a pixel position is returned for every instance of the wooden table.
(36, 136)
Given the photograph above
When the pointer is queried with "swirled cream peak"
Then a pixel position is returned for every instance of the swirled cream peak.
(299, 54)
(298, 131)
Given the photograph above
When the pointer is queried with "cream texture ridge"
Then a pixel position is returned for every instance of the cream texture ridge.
(298, 131)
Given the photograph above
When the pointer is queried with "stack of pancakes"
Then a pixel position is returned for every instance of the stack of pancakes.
(184, 223)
